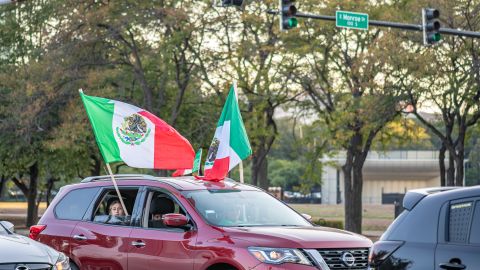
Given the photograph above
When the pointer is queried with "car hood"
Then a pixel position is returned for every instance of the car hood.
(16, 248)
(299, 237)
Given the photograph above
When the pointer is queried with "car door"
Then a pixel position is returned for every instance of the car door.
(154, 246)
(62, 219)
(100, 243)
(461, 247)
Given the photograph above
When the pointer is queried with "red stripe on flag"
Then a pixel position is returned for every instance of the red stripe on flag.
(178, 173)
(171, 150)
(219, 170)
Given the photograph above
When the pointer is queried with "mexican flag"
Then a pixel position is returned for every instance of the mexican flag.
(194, 170)
(137, 137)
(230, 144)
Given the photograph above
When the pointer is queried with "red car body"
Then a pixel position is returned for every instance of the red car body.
(203, 246)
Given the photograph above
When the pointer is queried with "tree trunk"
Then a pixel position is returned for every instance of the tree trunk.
(459, 169)
(96, 166)
(451, 170)
(3, 181)
(263, 174)
(351, 214)
(441, 163)
(353, 186)
(254, 170)
(352, 170)
(353, 194)
(355, 224)
(260, 168)
(50, 185)
(32, 211)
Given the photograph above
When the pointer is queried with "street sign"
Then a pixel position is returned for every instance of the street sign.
(354, 20)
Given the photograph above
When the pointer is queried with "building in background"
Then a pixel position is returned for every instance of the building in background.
(386, 175)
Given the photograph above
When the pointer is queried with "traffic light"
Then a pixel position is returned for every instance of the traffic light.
(287, 14)
(431, 26)
(227, 3)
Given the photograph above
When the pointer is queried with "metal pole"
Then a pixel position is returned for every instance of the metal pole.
(405, 26)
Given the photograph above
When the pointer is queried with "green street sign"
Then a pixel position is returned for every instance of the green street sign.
(354, 20)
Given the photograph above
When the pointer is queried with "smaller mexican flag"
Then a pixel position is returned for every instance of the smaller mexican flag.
(195, 169)
(137, 137)
(230, 144)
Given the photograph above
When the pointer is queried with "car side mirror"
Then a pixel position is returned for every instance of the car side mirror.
(8, 225)
(307, 217)
(175, 220)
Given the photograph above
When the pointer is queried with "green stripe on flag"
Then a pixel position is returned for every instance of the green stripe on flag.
(100, 112)
(196, 162)
(238, 135)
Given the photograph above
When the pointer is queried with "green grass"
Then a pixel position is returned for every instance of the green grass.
(375, 217)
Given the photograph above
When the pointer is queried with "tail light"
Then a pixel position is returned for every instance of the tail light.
(35, 230)
(381, 250)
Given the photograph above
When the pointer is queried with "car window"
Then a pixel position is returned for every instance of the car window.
(108, 209)
(231, 208)
(459, 221)
(159, 204)
(74, 205)
(475, 233)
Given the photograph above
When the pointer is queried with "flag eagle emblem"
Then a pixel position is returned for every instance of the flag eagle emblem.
(133, 130)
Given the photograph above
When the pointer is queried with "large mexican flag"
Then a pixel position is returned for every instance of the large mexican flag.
(137, 137)
(230, 144)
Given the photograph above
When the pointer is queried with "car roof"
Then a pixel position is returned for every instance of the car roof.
(445, 193)
(183, 183)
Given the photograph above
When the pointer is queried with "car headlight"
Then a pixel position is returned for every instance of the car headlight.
(279, 255)
(62, 263)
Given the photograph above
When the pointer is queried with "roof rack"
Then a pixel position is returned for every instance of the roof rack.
(118, 177)
(130, 177)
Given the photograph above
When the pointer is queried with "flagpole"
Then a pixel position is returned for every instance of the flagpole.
(241, 172)
(235, 89)
(116, 188)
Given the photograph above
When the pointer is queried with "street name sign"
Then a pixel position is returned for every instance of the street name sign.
(353, 20)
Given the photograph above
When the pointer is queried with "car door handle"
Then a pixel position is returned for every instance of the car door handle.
(452, 266)
(80, 237)
(138, 243)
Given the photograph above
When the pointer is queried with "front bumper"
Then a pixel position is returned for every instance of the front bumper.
(285, 266)
(318, 262)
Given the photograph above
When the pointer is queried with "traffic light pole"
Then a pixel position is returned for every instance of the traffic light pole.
(405, 26)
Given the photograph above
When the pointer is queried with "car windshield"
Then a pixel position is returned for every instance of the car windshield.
(234, 208)
(2, 230)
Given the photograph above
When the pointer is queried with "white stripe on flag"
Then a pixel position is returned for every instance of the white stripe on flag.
(222, 133)
(234, 159)
(140, 156)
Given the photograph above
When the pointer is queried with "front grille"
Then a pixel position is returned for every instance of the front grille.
(31, 266)
(333, 258)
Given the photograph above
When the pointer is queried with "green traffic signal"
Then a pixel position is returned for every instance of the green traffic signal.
(292, 22)
(287, 14)
(431, 26)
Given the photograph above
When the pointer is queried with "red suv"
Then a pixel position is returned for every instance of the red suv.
(203, 226)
